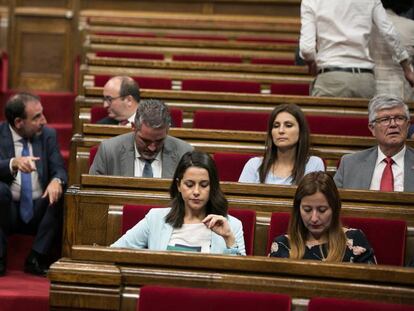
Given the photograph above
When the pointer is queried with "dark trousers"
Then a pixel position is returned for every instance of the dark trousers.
(45, 225)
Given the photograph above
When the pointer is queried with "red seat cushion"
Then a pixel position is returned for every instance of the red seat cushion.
(273, 61)
(220, 86)
(92, 154)
(156, 298)
(132, 214)
(386, 236)
(207, 58)
(230, 120)
(137, 55)
(329, 304)
(338, 125)
(143, 82)
(289, 88)
(230, 165)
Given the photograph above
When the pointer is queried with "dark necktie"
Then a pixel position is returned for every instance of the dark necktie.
(147, 171)
(26, 201)
(387, 179)
(123, 122)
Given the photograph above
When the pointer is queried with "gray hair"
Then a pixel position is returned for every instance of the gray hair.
(154, 113)
(383, 101)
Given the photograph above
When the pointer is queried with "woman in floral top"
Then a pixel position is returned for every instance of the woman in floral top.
(315, 229)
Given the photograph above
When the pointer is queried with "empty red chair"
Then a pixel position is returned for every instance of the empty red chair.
(230, 120)
(386, 236)
(221, 86)
(338, 125)
(329, 304)
(230, 165)
(273, 61)
(289, 89)
(124, 54)
(99, 112)
(157, 298)
(143, 82)
(132, 214)
(207, 58)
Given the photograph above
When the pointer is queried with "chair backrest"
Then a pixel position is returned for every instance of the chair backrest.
(143, 82)
(125, 54)
(329, 304)
(289, 88)
(272, 61)
(99, 112)
(132, 214)
(230, 165)
(157, 298)
(207, 58)
(338, 125)
(386, 236)
(221, 86)
(230, 120)
(248, 219)
(92, 154)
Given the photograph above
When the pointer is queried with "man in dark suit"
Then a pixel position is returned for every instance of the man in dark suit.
(388, 166)
(32, 179)
(121, 99)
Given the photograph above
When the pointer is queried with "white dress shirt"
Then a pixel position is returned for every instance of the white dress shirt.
(140, 163)
(337, 32)
(16, 185)
(397, 170)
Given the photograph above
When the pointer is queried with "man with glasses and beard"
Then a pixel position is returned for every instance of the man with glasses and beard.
(146, 152)
(389, 166)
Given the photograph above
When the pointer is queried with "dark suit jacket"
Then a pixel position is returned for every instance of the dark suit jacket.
(108, 120)
(45, 146)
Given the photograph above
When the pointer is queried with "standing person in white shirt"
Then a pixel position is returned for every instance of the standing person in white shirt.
(388, 74)
(334, 43)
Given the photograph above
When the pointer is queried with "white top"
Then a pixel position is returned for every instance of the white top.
(139, 165)
(16, 185)
(196, 236)
(337, 32)
(389, 75)
(250, 173)
(397, 170)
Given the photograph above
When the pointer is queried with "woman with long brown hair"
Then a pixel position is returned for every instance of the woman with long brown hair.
(315, 230)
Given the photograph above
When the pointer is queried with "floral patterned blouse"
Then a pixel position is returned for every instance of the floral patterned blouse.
(357, 248)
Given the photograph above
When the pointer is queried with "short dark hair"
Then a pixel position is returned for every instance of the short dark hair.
(399, 7)
(129, 87)
(303, 144)
(16, 104)
(154, 113)
(217, 202)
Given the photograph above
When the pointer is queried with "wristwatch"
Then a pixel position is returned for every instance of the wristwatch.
(60, 181)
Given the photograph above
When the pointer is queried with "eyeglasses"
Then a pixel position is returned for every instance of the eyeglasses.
(386, 121)
(110, 99)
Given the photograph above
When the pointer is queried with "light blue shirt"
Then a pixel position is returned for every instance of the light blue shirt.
(250, 173)
(154, 233)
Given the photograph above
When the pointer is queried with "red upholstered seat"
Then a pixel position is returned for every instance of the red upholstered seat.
(230, 120)
(386, 236)
(156, 298)
(18, 290)
(124, 54)
(132, 214)
(329, 304)
(273, 61)
(198, 37)
(126, 34)
(99, 112)
(269, 40)
(230, 165)
(143, 82)
(220, 86)
(207, 58)
(289, 88)
(92, 154)
(338, 125)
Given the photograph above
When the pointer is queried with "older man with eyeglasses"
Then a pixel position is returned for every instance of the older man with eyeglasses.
(121, 99)
(389, 166)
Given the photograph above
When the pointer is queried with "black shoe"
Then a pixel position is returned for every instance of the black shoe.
(2, 266)
(34, 266)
